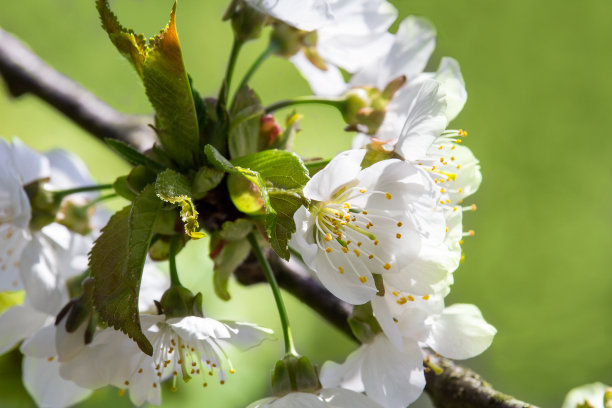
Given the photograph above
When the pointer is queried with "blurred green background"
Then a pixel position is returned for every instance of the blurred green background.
(539, 78)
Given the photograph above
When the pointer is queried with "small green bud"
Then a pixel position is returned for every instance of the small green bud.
(178, 301)
(75, 217)
(247, 22)
(45, 205)
(294, 373)
(356, 99)
(287, 40)
(122, 188)
(245, 195)
(139, 178)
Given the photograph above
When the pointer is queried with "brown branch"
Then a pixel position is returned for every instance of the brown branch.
(455, 387)
(24, 72)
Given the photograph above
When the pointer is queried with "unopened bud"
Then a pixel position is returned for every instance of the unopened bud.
(288, 40)
(294, 373)
(75, 217)
(247, 22)
(269, 130)
(178, 301)
(44, 204)
(245, 195)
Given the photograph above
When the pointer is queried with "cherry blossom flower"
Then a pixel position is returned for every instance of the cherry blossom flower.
(381, 222)
(305, 15)
(187, 347)
(590, 395)
(390, 368)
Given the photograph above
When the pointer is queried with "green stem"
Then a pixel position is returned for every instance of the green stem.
(254, 67)
(280, 305)
(335, 102)
(229, 72)
(174, 279)
(63, 193)
(99, 200)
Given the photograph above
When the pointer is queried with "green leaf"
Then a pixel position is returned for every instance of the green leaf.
(122, 188)
(205, 180)
(132, 155)
(280, 226)
(282, 168)
(160, 65)
(217, 160)
(174, 188)
(245, 123)
(116, 261)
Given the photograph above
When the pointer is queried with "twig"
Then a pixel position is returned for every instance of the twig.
(24, 72)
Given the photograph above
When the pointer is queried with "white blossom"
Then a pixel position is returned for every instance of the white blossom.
(381, 220)
(182, 347)
(390, 368)
(591, 394)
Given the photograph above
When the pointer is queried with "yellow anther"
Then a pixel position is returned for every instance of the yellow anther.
(388, 196)
(441, 159)
(50, 358)
(344, 250)
(140, 371)
(362, 190)
(121, 392)
(205, 385)
(442, 190)
(455, 208)
(460, 242)
(458, 166)
(452, 158)
(411, 298)
(364, 212)
(473, 207)
(363, 279)
(441, 201)
(399, 224)
(232, 371)
(426, 297)
(446, 229)
(341, 270)
(398, 235)
(401, 301)
(462, 258)
(328, 250)
(460, 190)
(347, 206)
(173, 389)
(348, 242)
(453, 147)
(440, 148)
(126, 382)
(154, 385)
(371, 257)
(458, 141)
(376, 242)
(395, 293)
(359, 244)
(222, 382)
(387, 266)
(471, 233)
(328, 237)
(357, 252)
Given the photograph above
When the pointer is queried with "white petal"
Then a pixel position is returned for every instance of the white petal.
(42, 380)
(262, 403)
(247, 335)
(68, 345)
(341, 170)
(346, 375)
(305, 15)
(18, 323)
(324, 83)
(13, 240)
(425, 122)
(591, 393)
(392, 378)
(460, 332)
(299, 400)
(384, 317)
(414, 43)
(42, 343)
(67, 170)
(449, 75)
(303, 240)
(195, 328)
(340, 398)
(30, 164)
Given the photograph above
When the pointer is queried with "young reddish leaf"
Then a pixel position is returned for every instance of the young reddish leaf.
(117, 260)
(160, 65)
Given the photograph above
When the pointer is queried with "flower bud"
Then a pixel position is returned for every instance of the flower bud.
(288, 40)
(294, 373)
(247, 22)
(178, 301)
(44, 204)
(269, 130)
(245, 195)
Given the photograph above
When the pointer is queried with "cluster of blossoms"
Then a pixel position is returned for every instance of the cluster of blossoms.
(380, 225)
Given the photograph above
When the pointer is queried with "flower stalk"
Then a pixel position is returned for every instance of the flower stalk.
(337, 103)
(280, 305)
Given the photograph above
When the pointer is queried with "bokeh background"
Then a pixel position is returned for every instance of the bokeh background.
(539, 78)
